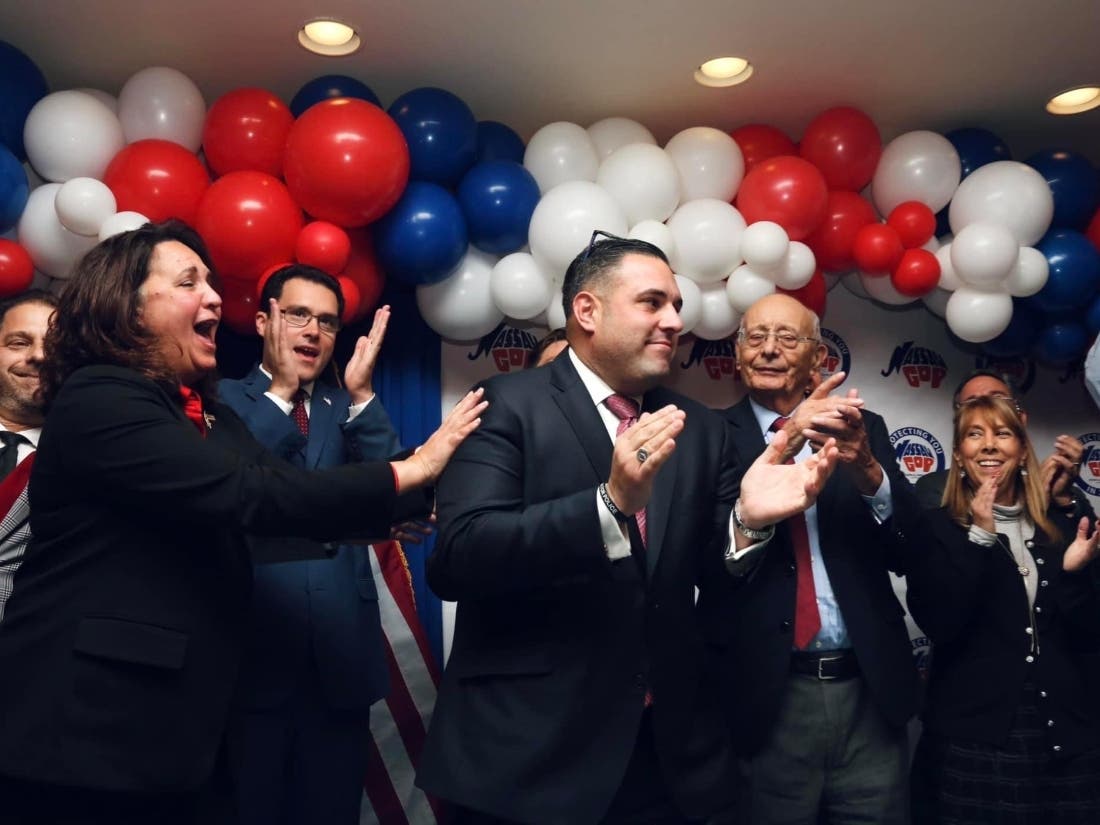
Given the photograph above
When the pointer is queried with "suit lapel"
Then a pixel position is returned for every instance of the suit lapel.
(746, 431)
(255, 384)
(576, 405)
(323, 423)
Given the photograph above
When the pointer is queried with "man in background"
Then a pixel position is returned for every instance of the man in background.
(299, 736)
(24, 321)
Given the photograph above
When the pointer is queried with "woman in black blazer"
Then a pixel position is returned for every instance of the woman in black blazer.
(120, 645)
(1002, 582)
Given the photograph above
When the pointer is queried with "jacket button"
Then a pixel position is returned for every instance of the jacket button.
(1050, 723)
(1029, 659)
(1038, 609)
(1057, 749)
(1028, 631)
(1043, 583)
(1042, 694)
(785, 624)
(1039, 561)
(1029, 544)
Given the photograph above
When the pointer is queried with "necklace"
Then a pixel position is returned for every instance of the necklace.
(1008, 519)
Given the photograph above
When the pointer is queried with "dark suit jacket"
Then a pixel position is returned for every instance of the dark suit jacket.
(554, 644)
(317, 616)
(971, 602)
(753, 633)
(120, 645)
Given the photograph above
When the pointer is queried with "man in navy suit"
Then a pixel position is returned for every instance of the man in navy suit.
(314, 661)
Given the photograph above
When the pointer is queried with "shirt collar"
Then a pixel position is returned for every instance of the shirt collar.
(598, 389)
(32, 434)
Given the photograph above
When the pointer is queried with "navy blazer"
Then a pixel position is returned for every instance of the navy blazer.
(554, 644)
(753, 632)
(319, 614)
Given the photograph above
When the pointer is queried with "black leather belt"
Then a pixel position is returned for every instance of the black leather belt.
(828, 665)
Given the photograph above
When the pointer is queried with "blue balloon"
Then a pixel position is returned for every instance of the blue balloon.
(1020, 334)
(1074, 271)
(1062, 342)
(495, 141)
(14, 189)
(329, 86)
(977, 147)
(1072, 181)
(498, 199)
(423, 237)
(441, 132)
(21, 86)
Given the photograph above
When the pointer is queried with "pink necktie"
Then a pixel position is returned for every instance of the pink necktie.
(298, 412)
(807, 619)
(626, 410)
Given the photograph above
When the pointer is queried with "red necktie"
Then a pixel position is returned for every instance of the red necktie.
(807, 619)
(192, 408)
(298, 412)
(626, 410)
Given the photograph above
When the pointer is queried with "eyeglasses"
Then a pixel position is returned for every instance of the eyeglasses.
(784, 338)
(998, 395)
(300, 317)
(595, 237)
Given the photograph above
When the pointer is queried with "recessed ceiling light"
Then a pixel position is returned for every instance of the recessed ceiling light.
(329, 37)
(1074, 101)
(724, 71)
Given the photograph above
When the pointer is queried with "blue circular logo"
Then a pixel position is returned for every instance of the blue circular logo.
(918, 452)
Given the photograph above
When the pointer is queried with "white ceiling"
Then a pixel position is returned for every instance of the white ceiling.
(921, 64)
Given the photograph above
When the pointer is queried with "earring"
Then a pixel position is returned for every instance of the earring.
(962, 473)
(1023, 472)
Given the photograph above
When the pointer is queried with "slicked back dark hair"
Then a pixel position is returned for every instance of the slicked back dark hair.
(273, 287)
(593, 268)
(986, 373)
(31, 296)
(98, 319)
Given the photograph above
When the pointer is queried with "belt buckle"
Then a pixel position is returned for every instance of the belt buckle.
(820, 674)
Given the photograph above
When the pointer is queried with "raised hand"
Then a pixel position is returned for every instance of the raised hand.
(981, 506)
(360, 368)
(1083, 549)
(427, 463)
(279, 354)
(772, 490)
(818, 404)
(1061, 468)
(631, 482)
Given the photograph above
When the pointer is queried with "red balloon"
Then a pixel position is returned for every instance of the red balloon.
(16, 269)
(246, 129)
(1093, 231)
(263, 279)
(760, 142)
(346, 161)
(845, 214)
(786, 190)
(158, 178)
(914, 222)
(363, 270)
(813, 294)
(351, 299)
(323, 245)
(877, 248)
(845, 145)
(917, 273)
(239, 306)
(249, 222)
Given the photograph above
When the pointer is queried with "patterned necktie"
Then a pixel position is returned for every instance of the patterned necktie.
(192, 408)
(626, 410)
(10, 456)
(298, 411)
(807, 619)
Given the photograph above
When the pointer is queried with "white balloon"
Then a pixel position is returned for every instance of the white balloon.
(709, 161)
(565, 218)
(643, 181)
(161, 102)
(1030, 273)
(460, 307)
(1007, 193)
(121, 222)
(764, 245)
(797, 267)
(983, 254)
(717, 318)
(917, 166)
(519, 288)
(555, 311)
(83, 204)
(612, 133)
(936, 301)
(108, 100)
(708, 239)
(559, 153)
(949, 279)
(746, 286)
(978, 316)
(882, 290)
(656, 233)
(53, 248)
(71, 135)
(692, 309)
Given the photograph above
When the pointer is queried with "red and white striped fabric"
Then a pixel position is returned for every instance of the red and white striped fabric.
(400, 723)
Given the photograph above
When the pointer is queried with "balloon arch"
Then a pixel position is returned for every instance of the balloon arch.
(483, 227)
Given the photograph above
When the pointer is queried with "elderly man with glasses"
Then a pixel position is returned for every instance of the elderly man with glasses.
(1059, 469)
(820, 680)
